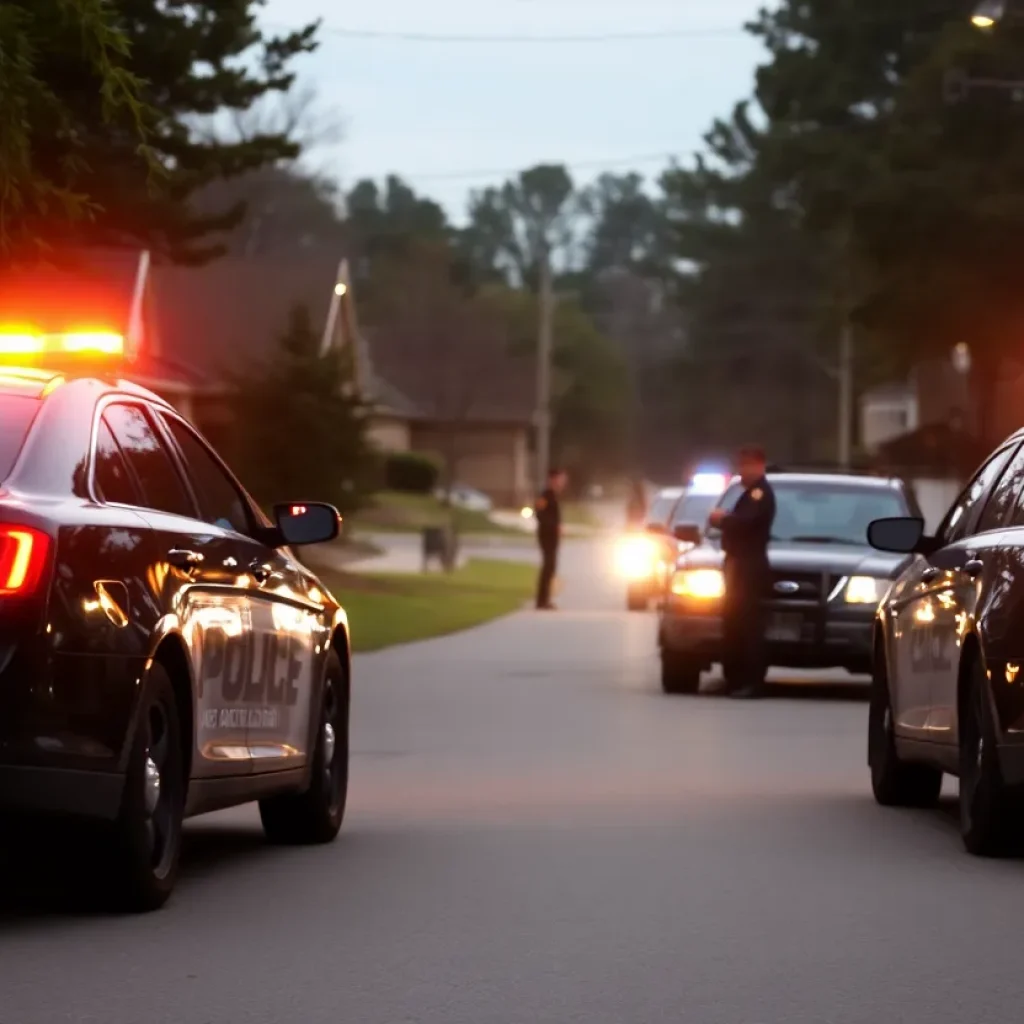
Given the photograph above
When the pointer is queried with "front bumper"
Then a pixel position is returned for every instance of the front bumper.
(829, 636)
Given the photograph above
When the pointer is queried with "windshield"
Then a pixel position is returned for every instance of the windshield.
(16, 415)
(820, 512)
(660, 510)
(695, 508)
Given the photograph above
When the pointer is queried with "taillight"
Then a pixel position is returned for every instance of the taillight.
(23, 556)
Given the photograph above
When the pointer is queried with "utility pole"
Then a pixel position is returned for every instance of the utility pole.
(545, 338)
(845, 393)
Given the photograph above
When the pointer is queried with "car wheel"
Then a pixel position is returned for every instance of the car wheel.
(315, 816)
(148, 831)
(894, 782)
(988, 807)
(680, 673)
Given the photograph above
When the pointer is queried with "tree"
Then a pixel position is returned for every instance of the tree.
(287, 211)
(510, 228)
(917, 197)
(455, 348)
(389, 221)
(190, 61)
(41, 152)
(315, 442)
(590, 389)
(628, 228)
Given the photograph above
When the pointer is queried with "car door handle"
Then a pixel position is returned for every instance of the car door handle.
(183, 559)
(930, 575)
(260, 571)
(974, 568)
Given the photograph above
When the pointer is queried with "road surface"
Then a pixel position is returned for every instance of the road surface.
(537, 836)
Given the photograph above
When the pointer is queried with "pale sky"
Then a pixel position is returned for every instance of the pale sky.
(443, 115)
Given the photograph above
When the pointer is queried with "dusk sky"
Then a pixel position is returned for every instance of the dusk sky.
(456, 115)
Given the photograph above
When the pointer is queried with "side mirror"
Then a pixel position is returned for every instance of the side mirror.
(687, 533)
(903, 535)
(307, 523)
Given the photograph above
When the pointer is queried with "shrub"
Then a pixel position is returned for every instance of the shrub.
(411, 472)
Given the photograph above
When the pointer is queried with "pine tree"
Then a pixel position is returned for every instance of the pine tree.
(300, 427)
(99, 103)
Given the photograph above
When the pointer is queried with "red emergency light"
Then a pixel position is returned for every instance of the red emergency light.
(89, 347)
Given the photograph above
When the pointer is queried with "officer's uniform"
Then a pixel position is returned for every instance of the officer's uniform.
(549, 532)
(746, 532)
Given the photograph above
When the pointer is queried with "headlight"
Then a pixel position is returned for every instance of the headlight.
(704, 584)
(637, 557)
(864, 590)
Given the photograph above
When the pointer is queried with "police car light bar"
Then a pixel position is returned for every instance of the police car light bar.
(709, 483)
(18, 344)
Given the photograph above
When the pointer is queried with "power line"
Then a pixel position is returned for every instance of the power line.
(601, 37)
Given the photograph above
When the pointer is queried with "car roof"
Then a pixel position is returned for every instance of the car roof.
(37, 383)
(847, 479)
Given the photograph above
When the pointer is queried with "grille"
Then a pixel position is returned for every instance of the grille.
(810, 586)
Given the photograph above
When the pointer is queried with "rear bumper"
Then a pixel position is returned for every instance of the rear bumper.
(828, 639)
(60, 791)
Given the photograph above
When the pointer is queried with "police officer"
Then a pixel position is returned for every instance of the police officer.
(549, 533)
(746, 532)
(636, 507)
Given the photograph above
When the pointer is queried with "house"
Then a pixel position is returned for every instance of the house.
(192, 329)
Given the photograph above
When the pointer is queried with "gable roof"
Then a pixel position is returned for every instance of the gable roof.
(201, 323)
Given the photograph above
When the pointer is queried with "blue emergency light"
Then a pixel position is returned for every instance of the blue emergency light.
(709, 483)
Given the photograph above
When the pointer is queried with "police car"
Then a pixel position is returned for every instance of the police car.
(162, 651)
(825, 581)
(674, 523)
(948, 692)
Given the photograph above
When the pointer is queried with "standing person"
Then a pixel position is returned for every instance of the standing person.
(549, 533)
(746, 532)
(636, 507)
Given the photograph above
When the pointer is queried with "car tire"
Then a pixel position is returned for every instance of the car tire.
(894, 782)
(988, 807)
(680, 673)
(315, 815)
(147, 835)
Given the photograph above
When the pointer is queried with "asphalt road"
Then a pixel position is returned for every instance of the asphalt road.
(537, 836)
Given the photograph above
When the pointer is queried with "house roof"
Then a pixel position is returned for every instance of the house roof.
(203, 323)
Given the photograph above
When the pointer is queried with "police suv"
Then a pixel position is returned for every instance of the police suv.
(162, 652)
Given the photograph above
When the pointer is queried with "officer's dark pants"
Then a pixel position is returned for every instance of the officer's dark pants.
(548, 569)
(744, 657)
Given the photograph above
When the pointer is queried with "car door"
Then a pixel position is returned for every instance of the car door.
(285, 619)
(1000, 610)
(971, 568)
(198, 583)
(924, 608)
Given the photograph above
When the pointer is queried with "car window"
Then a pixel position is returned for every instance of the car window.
(825, 511)
(220, 502)
(162, 487)
(695, 509)
(661, 509)
(960, 519)
(111, 478)
(16, 415)
(1003, 495)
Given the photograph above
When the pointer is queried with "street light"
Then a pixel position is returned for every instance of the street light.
(988, 13)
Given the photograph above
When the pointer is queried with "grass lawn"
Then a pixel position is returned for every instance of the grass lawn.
(395, 512)
(576, 513)
(386, 609)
